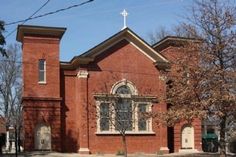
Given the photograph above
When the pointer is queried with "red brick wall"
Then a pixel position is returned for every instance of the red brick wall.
(41, 112)
(35, 48)
(124, 61)
(70, 112)
(173, 53)
(41, 102)
(197, 135)
(106, 71)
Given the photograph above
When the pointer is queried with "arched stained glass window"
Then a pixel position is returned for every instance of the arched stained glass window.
(123, 112)
(123, 109)
(124, 89)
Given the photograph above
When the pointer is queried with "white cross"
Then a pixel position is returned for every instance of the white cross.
(125, 14)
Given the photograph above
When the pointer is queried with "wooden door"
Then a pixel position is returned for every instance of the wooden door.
(187, 137)
(43, 138)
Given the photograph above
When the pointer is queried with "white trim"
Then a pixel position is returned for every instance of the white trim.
(42, 82)
(188, 150)
(151, 49)
(82, 74)
(84, 150)
(127, 132)
(141, 51)
(135, 129)
(145, 52)
(136, 46)
(44, 71)
(164, 148)
(122, 82)
(135, 107)
(106, 48)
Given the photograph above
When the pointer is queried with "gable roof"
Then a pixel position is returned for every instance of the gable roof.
(173, 41)
(127, 34)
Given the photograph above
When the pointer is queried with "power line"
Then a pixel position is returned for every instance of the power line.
(24, 21)
(37, 11)
(50, 13)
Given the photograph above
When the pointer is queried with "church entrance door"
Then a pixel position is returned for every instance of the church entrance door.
(43, 137)
(187, 137)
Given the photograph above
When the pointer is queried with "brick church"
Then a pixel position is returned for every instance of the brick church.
(66, 104)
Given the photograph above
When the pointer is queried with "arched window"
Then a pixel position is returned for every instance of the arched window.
(122, 111)
(187, 137)
(124, 89)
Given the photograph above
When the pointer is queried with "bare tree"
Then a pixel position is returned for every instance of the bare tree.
(158, 34)
(181, 30)
(10, 86)
(202, 82)
(118, 112)
(216, 22)
(2, 39)
(185, 30)
(121, 111)
(119, 115)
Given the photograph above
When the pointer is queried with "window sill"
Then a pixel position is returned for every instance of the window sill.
(43, 83)
(127, 133)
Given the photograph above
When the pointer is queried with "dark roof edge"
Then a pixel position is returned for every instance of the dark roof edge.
(43, 27)
(85, 54)
(39, 30)
(88, 57)
(175, 38)
(74, 63)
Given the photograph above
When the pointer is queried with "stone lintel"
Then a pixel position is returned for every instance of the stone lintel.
(82, 74)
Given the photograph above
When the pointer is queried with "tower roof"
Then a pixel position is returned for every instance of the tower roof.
(23, 30)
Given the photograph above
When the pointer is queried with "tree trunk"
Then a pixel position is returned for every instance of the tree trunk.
(18, 143)
(222, 137)
(124, 144)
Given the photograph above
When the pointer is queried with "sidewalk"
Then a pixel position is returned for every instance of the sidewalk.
(54, 154)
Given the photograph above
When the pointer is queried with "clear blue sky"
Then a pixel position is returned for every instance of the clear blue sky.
(93, 23)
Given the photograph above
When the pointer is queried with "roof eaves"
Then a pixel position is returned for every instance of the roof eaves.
(149, 46)
(174, 38)
(91, 53)
(39, 30)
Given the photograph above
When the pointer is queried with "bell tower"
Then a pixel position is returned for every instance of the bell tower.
(41, 85)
